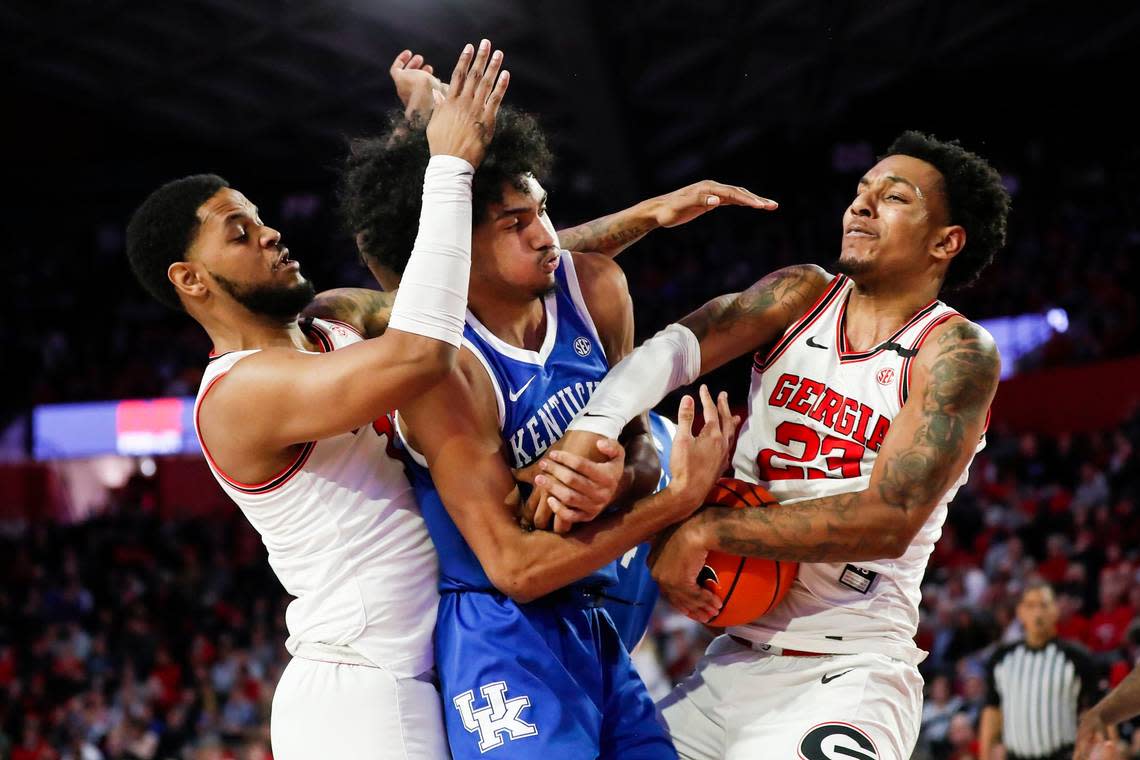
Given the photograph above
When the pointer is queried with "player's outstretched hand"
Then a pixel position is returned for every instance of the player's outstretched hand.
(463, 121)
(686, 204)
(698, 460)
(415, 80)
(675, 563)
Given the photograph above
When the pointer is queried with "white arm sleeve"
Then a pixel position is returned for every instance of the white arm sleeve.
(665, 362)
(432, 298)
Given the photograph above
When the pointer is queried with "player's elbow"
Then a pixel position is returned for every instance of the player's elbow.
(896, 539)
(432, 359)
(518, 585)
(515, 578)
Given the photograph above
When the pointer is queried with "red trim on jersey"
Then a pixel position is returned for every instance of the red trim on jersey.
(846, 356)
(803, 323)
(270, 484)
(286, 474)
(908, 362)
(345, 325)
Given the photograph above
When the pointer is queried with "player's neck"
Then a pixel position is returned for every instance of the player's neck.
(874, 314)
(256, 332)
(516, 321)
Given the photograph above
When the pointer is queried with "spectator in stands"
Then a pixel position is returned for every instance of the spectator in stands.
(938, 710)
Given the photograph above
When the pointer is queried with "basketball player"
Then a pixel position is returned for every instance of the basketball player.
(528, 662)
(293, 419)
(869, 398)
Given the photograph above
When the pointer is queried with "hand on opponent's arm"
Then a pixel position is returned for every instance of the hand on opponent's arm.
(457, 434)
(584, 473)
(927, 447)
(612, 234)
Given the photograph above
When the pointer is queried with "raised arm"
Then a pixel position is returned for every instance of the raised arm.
(612, 234)
(267, 401)
(455, 427)
(928, 445)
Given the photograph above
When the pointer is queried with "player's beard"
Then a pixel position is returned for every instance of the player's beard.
(283, 302)
(853, 268)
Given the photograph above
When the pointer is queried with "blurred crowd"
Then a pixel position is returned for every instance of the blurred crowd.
(129, 637)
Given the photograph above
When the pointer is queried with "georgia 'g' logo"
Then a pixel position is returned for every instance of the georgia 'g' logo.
(499, 717)
(837, 741)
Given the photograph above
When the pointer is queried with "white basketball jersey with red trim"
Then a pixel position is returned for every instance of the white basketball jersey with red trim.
(818, 415)
(345, 537)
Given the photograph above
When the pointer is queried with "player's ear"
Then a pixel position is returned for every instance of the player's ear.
(186, 280)
(948, 242)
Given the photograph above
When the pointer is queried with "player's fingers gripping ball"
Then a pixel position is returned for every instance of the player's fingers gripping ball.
(748, 586)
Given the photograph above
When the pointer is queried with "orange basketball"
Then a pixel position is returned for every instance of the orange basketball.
(749, 586)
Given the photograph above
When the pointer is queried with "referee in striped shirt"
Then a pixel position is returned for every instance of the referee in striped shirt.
(1036, 687)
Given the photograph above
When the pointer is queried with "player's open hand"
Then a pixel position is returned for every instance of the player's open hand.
(698, 460)
(676, 562)
(581, 475)
(686, 204)
(415, 80)
(463, 121)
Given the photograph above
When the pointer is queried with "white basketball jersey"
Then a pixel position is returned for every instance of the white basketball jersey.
(818, 415)
(345, 537)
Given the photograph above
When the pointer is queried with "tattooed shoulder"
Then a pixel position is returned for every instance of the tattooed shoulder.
(961, 374)
(964, 367)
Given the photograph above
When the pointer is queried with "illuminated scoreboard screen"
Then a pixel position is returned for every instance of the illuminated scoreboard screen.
(142, 427)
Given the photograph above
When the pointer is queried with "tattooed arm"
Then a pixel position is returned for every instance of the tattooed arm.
(610, 235)
(367, 311)
(734, 324)
(955, 377)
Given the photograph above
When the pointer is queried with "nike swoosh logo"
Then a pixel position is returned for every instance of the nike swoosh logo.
(515, 394)
(811, 342)
(826, 680)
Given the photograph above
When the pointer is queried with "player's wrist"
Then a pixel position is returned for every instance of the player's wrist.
(648, 213)
(684, 497)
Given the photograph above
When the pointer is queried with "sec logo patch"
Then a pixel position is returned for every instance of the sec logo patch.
(886, 376)
(582, 346)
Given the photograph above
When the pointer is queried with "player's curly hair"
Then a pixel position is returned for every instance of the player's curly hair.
(976, 197)
(162, 229)
(382, 180)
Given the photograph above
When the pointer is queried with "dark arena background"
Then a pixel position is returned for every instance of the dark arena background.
(138, 616)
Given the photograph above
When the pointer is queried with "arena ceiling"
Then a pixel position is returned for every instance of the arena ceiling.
(637, 89)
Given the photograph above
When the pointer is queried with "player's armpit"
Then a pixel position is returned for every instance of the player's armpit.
(367, 311)
(735, 324)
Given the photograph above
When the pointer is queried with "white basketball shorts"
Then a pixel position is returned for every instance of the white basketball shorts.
(742, 704)
(325, 710)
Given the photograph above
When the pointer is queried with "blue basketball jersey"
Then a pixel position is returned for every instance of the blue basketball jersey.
(537, 394)
(550, 678)
(632, 599)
